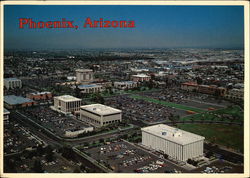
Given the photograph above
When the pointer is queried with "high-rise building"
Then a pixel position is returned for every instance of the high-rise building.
(84, 75)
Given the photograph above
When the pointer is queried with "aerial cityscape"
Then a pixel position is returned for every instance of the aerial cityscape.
(114, 107)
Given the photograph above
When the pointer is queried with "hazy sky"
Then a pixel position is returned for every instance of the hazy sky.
(156, 26)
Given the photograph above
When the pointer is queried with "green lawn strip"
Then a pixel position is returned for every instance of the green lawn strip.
(227, 135)
(164, 103)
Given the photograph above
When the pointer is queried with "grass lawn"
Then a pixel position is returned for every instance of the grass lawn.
(143, 89)
(235, 111)
(227, 135)
(217, 115)
(170, 104)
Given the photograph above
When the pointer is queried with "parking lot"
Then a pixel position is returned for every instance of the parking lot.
(142, 110)
(196, 100)
(52, 120)
(219, 166)
(124, 157)
(17, 138)
(26, 164)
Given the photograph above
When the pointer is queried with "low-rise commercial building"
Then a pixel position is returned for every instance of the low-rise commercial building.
(212, 90)
(67, 103)
(12, 101)
(140, 78)
(11, 83)
(40, 95)
(206, 89)
(76, 132)
(189, 86)
(6, 114)
(99, 115)
(176, 143)
(235, 94)
(125, 85)
(93, 88)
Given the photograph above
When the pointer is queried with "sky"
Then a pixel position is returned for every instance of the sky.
(155, 27)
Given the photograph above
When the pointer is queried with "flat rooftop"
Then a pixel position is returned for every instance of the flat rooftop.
(126, 82)
(84, 70)
(40, 93)
(88, 86)
(173, 134)
(12, 79)
(5, 111)
(14, 100)
(100, 109)
(67, 98)
(140, 75)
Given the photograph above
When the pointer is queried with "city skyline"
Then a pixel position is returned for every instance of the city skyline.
(155, 27)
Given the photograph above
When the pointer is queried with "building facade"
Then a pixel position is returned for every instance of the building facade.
(11, 83)
(140, 78)
(75, 133)
(125, 85)
(99, 115)
(67, 103)
(84, 75)
(40, 96)
(176, 143)
(206, 89)
(12, 102)
(93, 88)
(6, 114)
(189, 86)
(235, 94)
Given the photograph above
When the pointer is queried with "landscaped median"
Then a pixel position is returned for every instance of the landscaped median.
(169, 104)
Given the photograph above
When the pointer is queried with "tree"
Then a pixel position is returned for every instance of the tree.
(77, 91)
(37, 167)
(165, 156)
(67, 153)
(199, 80)
(50, 157)
(76, 170)
(49, 153)
(209, 154)
(101, 140)
(40, 150)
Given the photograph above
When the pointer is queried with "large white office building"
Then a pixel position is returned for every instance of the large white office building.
(99, 115)
(84, 75)
(176, 143)
(67, 103)
(11, 83)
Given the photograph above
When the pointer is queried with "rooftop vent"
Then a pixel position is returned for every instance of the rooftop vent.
(164, 133)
